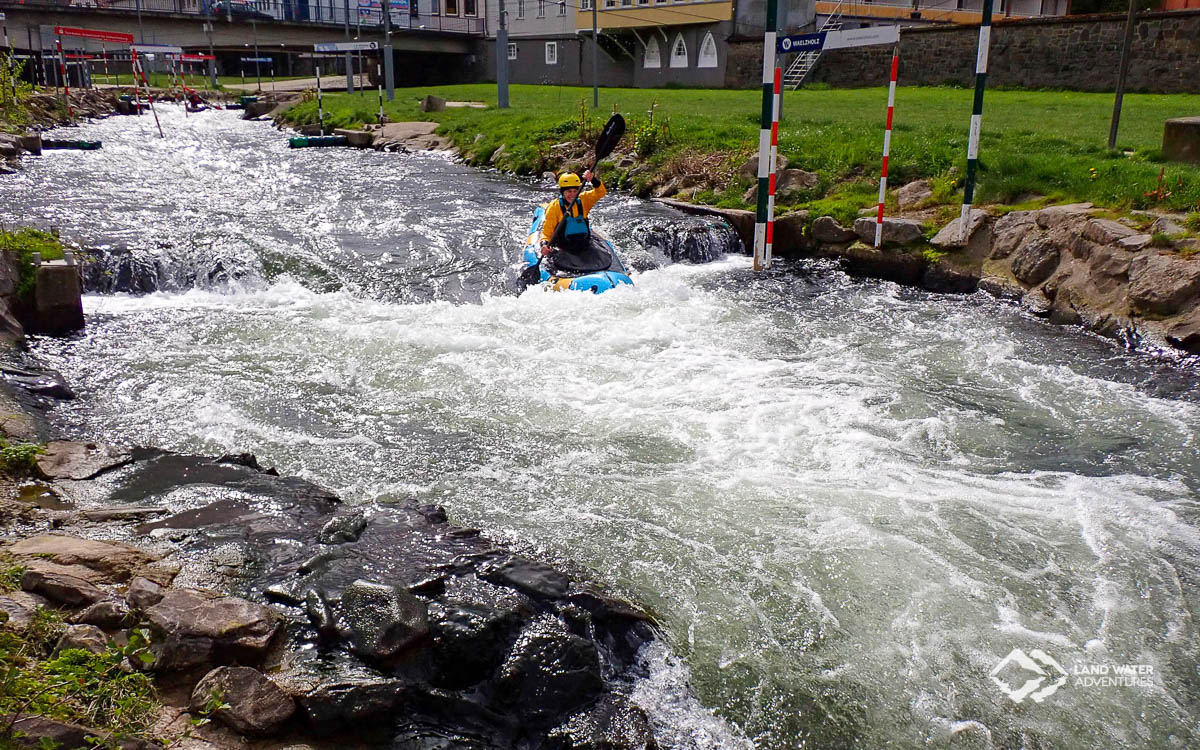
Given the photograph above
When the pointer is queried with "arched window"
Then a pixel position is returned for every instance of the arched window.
(708, 52)
(652, 58)
(679, 58)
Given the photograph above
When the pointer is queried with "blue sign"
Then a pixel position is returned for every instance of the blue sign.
(801, 43)
(258, 59)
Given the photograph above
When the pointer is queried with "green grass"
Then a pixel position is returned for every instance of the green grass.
(1034, 143)
(22, 244)
(19, 459)
(162, 80)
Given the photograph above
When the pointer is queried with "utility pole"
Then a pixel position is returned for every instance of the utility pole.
(212, 63)
(502, 60)
(1126, 48)
(257, 64)
(349, 54)
(595, 71)
(141, 34)
(388, 75)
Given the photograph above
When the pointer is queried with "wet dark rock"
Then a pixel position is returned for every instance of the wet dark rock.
(613, 723)
(530, 576)
(383, 620)
(257, 706)
(321, 614)
(343, 528)
(39, 382)
(550, 673)
(143, 593)
(190, 629)
(945, 280)
(692, 241)
(85, 637)
(473, 627)
(109, 614)
(249, 460)
(346, 704)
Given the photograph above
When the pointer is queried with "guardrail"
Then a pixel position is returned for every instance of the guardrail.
(364, 15)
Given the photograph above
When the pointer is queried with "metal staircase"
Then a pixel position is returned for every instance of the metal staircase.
(806, 61)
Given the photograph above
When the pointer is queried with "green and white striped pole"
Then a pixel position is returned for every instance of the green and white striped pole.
(981, 63)
(768, 140)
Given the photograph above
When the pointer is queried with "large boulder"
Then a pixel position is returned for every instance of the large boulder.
(383, 620)
(109, 614)
(551, 672)
(190, 628)
(827, 231)
(1161, 284)
(84, 637)
(257, 706)
(953, 236)
(113, 561)
(473, 627)
(895, 231)
(17, 609)
(66, 585)
(346, 704)
(1106, 231)
(1035, 261)
(529, 576)
(1055, 216)
(1010, 231)
(612, 723)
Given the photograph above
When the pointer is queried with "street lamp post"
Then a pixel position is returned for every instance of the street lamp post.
(388, 75)
(502, 60)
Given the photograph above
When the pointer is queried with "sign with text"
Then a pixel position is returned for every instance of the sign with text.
(258, 59)
(840, 39)
(100, 36)
(345, 46)
(157, 49)
(197, 57)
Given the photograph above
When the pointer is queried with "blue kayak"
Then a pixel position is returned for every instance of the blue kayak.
(552, 273)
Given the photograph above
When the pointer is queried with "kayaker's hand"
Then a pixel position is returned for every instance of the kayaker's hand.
(546, 249)
(587, 176)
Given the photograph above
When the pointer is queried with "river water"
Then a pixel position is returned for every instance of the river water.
(845, 501)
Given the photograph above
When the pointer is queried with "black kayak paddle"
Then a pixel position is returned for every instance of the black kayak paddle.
(608, 139)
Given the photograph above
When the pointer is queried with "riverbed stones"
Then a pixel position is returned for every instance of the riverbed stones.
(84, 637)
(895, 231)
(39, 382)
(1010, 231)
(612, 723)
(1160, 284)
(68, 459)
(109, 614)
(191, 628)
(17, 609)
(257, 706)
(529, 576)
(1035, 261)
(113, 562)
(348, 703)
(60, 584)
(143, 593)
(826, 230)
(473, 626)
(342, 528)
(383, 620)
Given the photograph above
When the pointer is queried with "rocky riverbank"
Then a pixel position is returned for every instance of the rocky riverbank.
(1134, 278)
(285, 616)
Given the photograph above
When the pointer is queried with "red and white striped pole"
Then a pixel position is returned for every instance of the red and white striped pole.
(887, 145)
(768, 142)
(62, 71)
(138, 72)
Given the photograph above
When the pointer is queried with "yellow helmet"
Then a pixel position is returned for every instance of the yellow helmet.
(568, 180)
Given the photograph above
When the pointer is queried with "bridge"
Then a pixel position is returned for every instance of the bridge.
(428, 48)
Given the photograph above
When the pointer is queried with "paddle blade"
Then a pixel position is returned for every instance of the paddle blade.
(614, 129)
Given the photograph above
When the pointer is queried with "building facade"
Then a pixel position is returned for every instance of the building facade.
(641, 43)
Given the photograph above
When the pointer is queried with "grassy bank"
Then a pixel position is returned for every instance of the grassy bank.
(1047, 144)
(20, 245)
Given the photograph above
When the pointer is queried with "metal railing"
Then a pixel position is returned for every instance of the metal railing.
(363, 14)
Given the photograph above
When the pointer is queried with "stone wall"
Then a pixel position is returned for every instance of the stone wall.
(1078, 53)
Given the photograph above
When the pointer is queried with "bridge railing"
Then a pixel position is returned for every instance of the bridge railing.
(365, 16)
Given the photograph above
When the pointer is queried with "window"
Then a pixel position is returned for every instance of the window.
(541, 9)
(708, 53)
(610, 3)
(562, 7)
(587, 5)
(652, 57)
(643, 2)
(552, 53)
(435, 7)
(626, 3)
(470, 8)
(679, 57)
(452, 7)
(520, 8)
(412, 9)
(512, 51)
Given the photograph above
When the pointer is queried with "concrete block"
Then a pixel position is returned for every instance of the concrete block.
(58, 304)
(1181, 140)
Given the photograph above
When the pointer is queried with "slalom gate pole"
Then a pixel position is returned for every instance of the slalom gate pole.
(887, 145)
(768, 143)
(104, 57)
(981, 63)
(320, 104)
(243, 78)
(138, 72)
(62, 71)
(379, 80)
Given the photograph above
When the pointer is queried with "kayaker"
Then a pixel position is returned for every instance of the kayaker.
(566, 224)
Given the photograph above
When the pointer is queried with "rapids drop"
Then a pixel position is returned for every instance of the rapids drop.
(846, 501)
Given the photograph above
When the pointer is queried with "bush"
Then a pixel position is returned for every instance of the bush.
(19, 459)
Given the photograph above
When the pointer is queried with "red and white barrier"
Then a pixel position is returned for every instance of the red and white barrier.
(887, 145)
